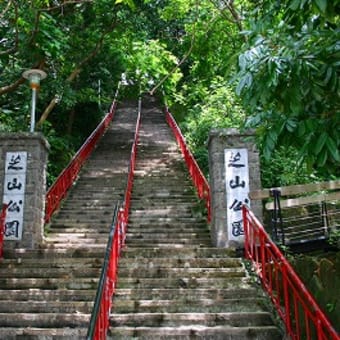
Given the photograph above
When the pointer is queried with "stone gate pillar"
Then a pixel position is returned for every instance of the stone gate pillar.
(234, 170)
(23, 165)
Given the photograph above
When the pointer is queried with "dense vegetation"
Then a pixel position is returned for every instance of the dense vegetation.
(268, 65)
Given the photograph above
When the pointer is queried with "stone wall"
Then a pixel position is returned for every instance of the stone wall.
(34, 199)
(219, 140)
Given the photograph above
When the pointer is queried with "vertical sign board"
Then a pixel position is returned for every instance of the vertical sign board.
(14, 193)
(237, 190)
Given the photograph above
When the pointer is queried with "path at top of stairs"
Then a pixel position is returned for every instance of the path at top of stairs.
(172, 284)
(49, 293)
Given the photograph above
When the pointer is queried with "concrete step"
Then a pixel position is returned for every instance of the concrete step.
(187, 252)
(158, 228)
(185, 283)
(177, 243)
(180, 273)
(46, 295)
(101, 216)
(166, 209)
(168, 236)
(49, 283)
(43, 320)
(88, 230)
(62, 242)
(31, 307)
(50, 272)
(179, 262)
(51, 253)
(170, 220)
(181, 293)
(196, 332)
(30, 333)
(55, 262)
(189, 306)
(236, 319)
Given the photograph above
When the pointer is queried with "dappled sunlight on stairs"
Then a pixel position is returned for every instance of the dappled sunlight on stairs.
(172, 284)
(49, 293)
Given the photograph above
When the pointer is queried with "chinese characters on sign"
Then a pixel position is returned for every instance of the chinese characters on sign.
(237, 190)
(14, 192)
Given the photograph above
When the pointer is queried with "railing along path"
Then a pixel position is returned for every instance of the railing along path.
(196, 174)
(302, 316)
(67, 177)
(100, 318)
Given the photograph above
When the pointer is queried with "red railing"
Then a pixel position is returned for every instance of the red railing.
(302, 316)
(196, 174)
(100, 318)
(2, 228)
(65, 180)
(100, 321)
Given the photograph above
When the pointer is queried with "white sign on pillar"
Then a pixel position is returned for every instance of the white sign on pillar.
(237, 190)
(14, 193)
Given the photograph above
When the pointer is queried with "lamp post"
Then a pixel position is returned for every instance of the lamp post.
(34, 76)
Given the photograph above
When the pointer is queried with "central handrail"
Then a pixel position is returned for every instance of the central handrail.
(303, 318)
(106, 285)
(199, 180)
(67, 177)
(100, 317)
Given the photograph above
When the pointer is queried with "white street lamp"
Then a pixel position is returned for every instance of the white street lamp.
(34, 76)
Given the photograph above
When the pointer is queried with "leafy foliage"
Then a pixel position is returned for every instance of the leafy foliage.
(211, 111)
(149, 61)
(289, 81)
(281, 58)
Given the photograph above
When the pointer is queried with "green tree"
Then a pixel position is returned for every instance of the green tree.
(289, 79)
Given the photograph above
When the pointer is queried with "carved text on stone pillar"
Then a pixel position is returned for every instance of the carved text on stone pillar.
(14, 193)
(237, 190)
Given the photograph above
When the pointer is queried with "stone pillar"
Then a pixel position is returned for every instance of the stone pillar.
(219, 141)
(32, 151)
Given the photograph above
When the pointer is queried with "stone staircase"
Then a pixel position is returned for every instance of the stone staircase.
(49, 293)
(172, 284)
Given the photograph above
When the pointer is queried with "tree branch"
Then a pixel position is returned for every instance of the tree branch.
(18, 82)
(185, 57)
(76, 71)
(16, 42)
(229, 5)
(65, 3)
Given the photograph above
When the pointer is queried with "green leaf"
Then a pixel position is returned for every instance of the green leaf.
(322, 158)
(331, 145)
(291, 125)
(320, 142)
(130, 3)
(322, 5)
(294, 5)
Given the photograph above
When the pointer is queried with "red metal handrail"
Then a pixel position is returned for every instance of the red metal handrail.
(67, 177)
(2, 228)
(301, 314)
(100, 320)
(196, 174)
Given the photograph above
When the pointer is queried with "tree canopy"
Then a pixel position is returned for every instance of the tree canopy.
(268, 65)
